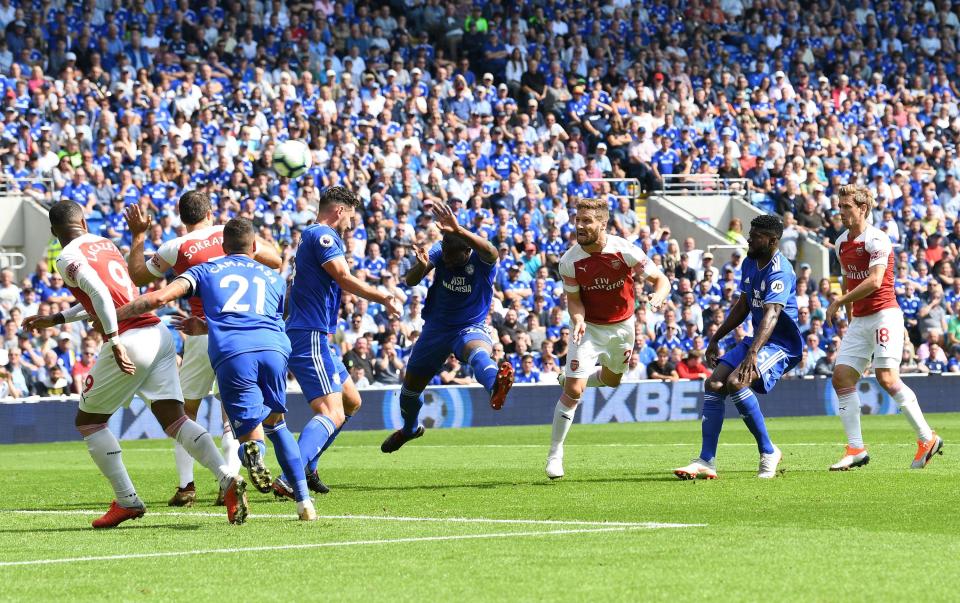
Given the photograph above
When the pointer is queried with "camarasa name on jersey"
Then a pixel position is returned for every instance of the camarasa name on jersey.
(271, 274)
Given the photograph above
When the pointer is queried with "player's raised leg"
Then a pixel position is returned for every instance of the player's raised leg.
(475, 347)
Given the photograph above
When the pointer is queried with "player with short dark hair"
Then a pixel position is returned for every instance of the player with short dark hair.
(768, 295)
(248, 348)
(454, 313)
(320, 272)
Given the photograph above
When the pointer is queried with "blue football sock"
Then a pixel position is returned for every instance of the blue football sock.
(484, 368)
(711, 425)
(288, 455)
(410, 405)
(312, 463)
(243, 455)
(749, 408)
(314, 436)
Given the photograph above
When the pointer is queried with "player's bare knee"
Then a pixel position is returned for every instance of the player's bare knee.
(351, 404)
(734, 384)
(888, 380)
(714, 386)
(191, 408)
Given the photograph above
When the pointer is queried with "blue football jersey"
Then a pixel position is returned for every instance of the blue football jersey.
(459, 296)
(315, 296)
(775, 283)
(243, 304)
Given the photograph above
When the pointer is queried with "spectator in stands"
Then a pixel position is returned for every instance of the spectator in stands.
(824, 366)
(692, 367)
(21, 377)
(661, 368)
(359, 355)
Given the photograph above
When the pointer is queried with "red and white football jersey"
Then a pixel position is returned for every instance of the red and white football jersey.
(871, 248)
(92, 263)
(605, 278)
(197, 247)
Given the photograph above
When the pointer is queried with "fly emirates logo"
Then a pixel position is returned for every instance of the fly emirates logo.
(602, 283)
(856, 275)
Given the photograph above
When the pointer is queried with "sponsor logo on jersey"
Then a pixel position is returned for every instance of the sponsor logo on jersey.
(603, 283)
(458, 284)
(763, 285)
(469, 269)
(72, 270)
(574, 365)
(326, 240)
(615, 264)
(776, 286)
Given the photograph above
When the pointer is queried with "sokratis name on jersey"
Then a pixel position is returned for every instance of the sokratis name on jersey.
(457, 284)
(271, 274)
(198, 246)
(602, 283)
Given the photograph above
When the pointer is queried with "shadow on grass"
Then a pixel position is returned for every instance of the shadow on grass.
(85, 527)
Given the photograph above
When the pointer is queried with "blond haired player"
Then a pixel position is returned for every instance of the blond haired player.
(598, 276)
(876, 330)
(202, 243)
(138, 359)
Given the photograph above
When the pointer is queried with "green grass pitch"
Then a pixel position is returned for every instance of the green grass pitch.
(394, 527)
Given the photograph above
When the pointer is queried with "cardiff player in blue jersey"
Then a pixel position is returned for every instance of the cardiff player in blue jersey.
(321, 272)
(768, 295)
(457, 305)
(248, 348)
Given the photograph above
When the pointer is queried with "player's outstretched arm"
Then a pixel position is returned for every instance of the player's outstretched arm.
(73, 314)
(340, 271)
(866, 287)
(266, 253)
(155, 299)
(448, 224)
(139, 224)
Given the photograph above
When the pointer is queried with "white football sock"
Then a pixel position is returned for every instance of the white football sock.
(200, 445)
(562, 419)
(105, 451)
(231, 448)
(907, 400)
(184, 464)
(848, 405)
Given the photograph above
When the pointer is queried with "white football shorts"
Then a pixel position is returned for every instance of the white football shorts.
(107, 388)
(609, 345)
(878, 336)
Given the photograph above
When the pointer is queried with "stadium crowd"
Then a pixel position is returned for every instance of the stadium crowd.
(508, 112)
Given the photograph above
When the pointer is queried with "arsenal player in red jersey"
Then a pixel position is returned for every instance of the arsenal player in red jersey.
(598, 275)
(876, 330)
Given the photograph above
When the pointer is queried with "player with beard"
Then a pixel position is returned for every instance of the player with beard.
(768, 295)
(598, 275)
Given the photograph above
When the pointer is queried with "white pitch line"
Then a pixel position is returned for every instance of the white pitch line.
(317, 545)
(574, 445)
(650, 525)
